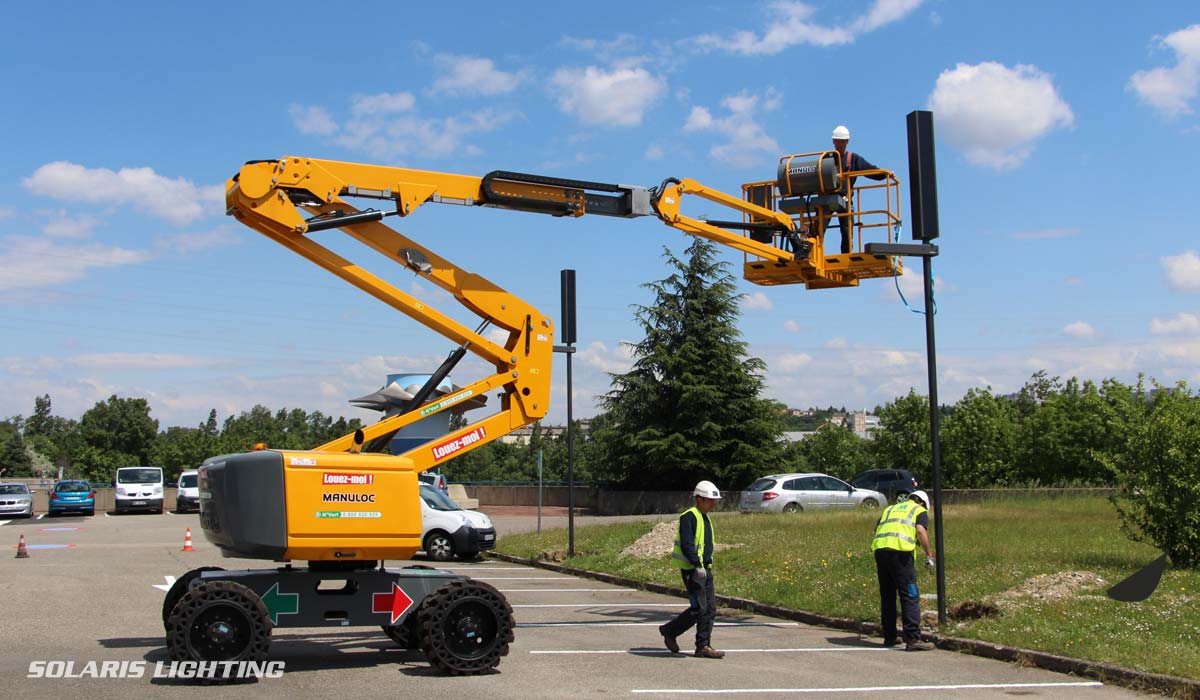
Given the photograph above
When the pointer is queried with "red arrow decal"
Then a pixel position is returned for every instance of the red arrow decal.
(395, 602)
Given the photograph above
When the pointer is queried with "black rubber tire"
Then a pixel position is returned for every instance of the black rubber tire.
(91, 512)
(465, 627)
(869, 504)
(181, 586)
(219, 608)
(439, 546)
(901, 496)
(406, 635)
(467, 556)
(792, 508)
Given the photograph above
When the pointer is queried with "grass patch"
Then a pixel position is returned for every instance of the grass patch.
(822, 562)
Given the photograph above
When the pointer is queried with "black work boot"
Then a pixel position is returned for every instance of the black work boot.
(669, 641)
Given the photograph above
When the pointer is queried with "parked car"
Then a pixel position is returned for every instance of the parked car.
(896, 484)
(16, 499)
(138, 488)
(433, 479)
(187, 493)
(72, 495)
(792, 493)
(450, 531)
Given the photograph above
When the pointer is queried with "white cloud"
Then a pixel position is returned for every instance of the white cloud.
(792, 363)
(1183, 271)
(387, 126)
(1060, 232)
(618, 97)
(654, 152)
(1179, 324)
(837, 343)
(1079, 329)
(791, 24)
(312, 120)
(748, 144)
(184, 243)
(61, 225)
(28, 262)
(994, 113)
(599, 356)
(382, 103)
(470, 75)
(791, 326)
(756, 302)
(179, 201)
(1170, 90)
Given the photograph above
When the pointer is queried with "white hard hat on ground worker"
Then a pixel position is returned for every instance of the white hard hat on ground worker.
(708, 490)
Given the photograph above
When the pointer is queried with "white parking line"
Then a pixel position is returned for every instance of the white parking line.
(4, 522)
(649, 624)
(41, 516)
(562, 590)
(528, 578)
(601, 605)
(106, 515)
(490, 568)
(664, 652)
(869, 689)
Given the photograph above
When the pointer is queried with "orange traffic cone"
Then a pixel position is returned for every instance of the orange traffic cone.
(187, 541)
(22, 553)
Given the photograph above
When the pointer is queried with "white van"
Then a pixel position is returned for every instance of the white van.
(139, 488)
(187, 493)
(449, 531)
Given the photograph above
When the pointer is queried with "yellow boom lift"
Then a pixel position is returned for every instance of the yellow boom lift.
(345, 508)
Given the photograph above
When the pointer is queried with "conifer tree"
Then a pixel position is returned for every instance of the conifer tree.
(690, 407)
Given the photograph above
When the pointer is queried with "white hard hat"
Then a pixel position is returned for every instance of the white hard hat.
(841, 133)
(921, 495)
(707, 489)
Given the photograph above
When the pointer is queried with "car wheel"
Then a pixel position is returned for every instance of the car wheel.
(90, 512)
(439, 546)
(792, 508)
(468, 556)
(869, 504)
(901, 496)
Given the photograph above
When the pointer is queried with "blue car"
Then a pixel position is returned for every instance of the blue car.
(72, 496)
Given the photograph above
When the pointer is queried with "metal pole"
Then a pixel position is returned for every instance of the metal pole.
(935, 441)
(570, 464)
(539, 491)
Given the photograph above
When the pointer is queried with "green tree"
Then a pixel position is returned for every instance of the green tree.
(54, 438)
(690, 407)
(834, 450)
(902, 439)
(115, 433)
(978, 441)
(1062, 440)
(14, 458)
(1159, 495)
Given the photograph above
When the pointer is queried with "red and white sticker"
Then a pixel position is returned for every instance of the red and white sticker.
(344, 479)
(450, 447)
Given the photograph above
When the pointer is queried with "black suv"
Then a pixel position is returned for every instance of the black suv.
(893, 483)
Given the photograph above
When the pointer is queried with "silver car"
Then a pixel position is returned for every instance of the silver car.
(15, 499)
(792, 493)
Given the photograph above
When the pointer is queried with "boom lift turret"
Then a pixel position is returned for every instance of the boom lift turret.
(343, 507)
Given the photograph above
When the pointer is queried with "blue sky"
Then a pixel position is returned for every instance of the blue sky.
(1066, 134)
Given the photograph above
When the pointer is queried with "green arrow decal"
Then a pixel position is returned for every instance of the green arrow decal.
(280, 603)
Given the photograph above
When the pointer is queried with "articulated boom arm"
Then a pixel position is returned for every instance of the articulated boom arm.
(290, 198)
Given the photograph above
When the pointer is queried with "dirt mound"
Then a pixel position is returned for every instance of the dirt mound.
(1050, 587)
(658, 543)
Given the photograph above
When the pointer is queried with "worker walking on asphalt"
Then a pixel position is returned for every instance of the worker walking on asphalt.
(895, 546)
(693, 556)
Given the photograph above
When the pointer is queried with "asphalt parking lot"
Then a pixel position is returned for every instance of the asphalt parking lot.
(92, 589)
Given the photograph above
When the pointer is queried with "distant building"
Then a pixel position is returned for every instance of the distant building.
(522, 436)
(862, 423)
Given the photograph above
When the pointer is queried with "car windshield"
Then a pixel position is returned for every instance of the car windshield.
(138, 476)
(72, 487)
(437, 500)
(13, 489)
(761, 485)
(187, 481)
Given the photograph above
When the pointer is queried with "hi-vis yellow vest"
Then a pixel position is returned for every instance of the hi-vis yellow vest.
(897, 528)
(677, 558)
